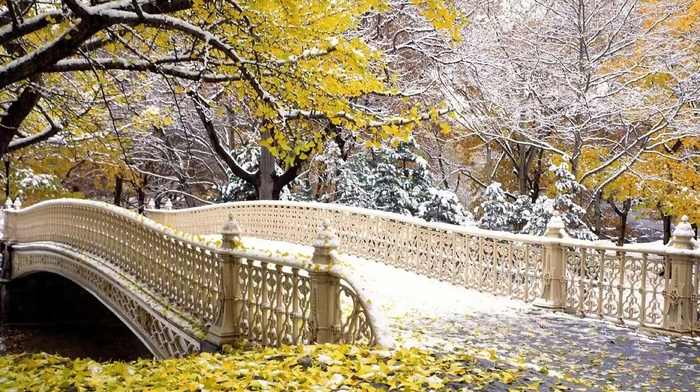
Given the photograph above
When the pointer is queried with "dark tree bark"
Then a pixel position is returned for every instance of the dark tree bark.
(666, 219)
(622, 214)
(28, 67)
(118, 189)
(598, 229)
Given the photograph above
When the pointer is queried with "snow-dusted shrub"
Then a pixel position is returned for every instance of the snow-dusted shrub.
(494, 209)
(570, 212)
(521, 212)
(539, 217)
(443, 206)
(35, 187)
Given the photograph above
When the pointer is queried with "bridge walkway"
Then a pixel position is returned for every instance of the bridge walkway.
(425, 312)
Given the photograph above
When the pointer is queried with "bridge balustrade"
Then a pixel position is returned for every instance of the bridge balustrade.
(648, 286)
(208, 294)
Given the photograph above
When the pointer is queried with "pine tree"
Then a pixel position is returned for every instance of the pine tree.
(521, 212)
(570, 212)
(397, 180)
(237, 189)
(541, 213)
(495, 210)
(442, 205)
(400, 179)
(354, 182)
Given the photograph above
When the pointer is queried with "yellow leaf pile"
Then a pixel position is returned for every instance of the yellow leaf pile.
(299, 368)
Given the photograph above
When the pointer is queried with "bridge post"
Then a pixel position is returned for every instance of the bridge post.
(8, 238)
(680, 297)
(225, 330)
(553, 268)
(325, 289)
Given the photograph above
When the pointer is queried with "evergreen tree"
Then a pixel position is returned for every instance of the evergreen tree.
(541, 213)
(495, 210)
(521, 212)
(386, 178)
(442, 205)
(355, 181)
(400, 179)
(570, 212)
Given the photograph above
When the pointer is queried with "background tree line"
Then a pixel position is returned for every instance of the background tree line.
(506, 109)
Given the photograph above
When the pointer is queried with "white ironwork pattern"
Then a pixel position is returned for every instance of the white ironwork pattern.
(183, 271)
(275, 309)
(508, 265)
(160, 335)
(609, 281)
(185, 274)
(354, 327)
(275, 303)
(623, 283)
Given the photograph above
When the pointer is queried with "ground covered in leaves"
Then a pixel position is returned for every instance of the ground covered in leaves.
(327, 367)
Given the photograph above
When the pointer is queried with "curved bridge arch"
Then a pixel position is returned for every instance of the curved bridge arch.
(180, 293)
(140, 312)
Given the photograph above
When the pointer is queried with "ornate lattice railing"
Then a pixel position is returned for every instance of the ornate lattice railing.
(628, 284)
(272, 301)
(634, 284)
(500, 263)
(183, 272)
(617, 283)
(241, 293)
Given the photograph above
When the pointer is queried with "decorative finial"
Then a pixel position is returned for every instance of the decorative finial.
(151, 204)
(168, 204)
(231, 226)
(683, 235)
(555, 226)
(8, 204)
(18, 203)
(326, 237)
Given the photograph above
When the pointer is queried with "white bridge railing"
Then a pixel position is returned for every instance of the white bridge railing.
(653, 287)
(238, 293)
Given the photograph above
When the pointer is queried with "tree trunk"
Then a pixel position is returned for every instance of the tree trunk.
(141, 196)
(535, 186)
(118, 189)
(598, 230)
(623, 223)
(666, 219)
(7, 179)
(189, 200)
(622, 213)
(266, 190)
(489, 178)
(522, 170)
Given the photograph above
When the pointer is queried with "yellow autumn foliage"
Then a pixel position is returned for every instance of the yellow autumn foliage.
(297, 368)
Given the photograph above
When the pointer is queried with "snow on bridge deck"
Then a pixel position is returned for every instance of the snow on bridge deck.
(428, 313)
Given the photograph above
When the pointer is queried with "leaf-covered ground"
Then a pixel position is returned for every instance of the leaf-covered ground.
(327, 367)
(448, 338)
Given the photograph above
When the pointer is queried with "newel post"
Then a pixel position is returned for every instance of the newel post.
(679, 294)
(554, 267)
(225, 329)
(9, 236)
(325, 289)
(9, 221)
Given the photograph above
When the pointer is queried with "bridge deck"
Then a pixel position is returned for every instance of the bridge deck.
(426, 312)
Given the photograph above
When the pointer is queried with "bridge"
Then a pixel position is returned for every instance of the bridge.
(188, 280)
